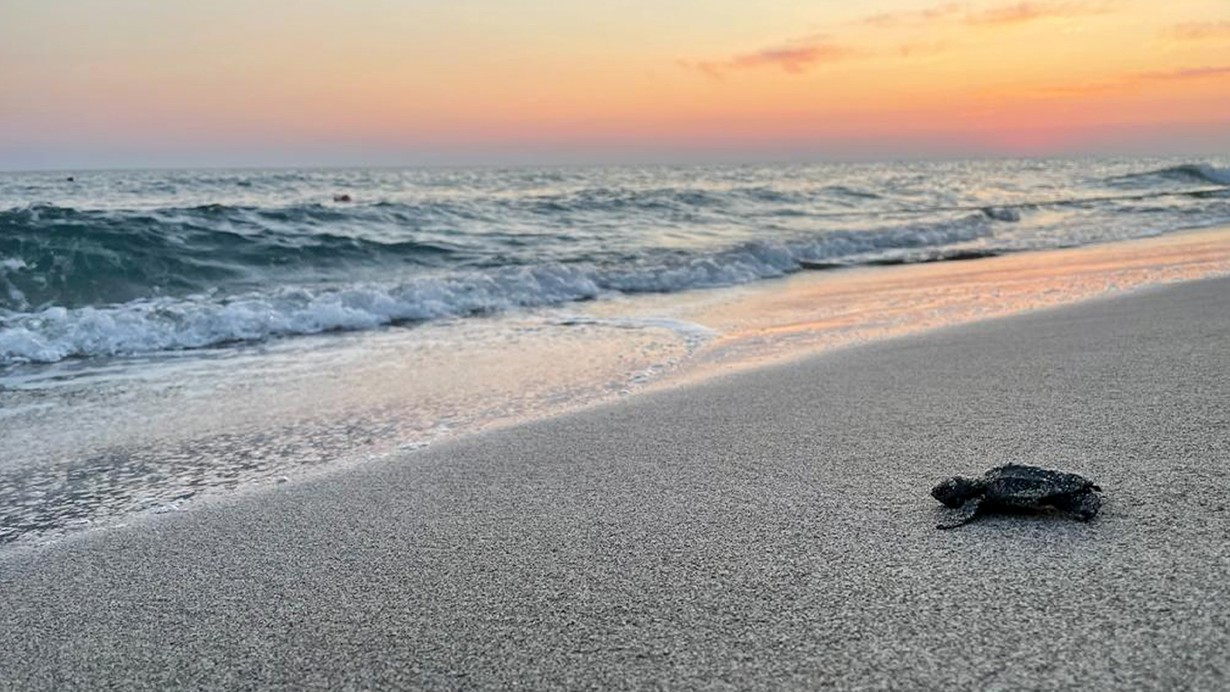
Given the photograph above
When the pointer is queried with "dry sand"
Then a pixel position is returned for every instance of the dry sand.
(767, 529)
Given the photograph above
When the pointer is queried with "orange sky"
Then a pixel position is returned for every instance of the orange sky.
(152, 82)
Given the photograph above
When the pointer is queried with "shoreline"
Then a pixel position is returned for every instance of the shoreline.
(224, 429)
(814, 312)
(764, 528)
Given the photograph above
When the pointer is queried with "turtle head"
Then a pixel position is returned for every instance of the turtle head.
(955, 491)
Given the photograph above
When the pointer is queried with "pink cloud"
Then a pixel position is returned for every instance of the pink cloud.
(802, 55)
(1195, 31)
(892, 19)
(1187, 73)
(1017, 13)
(1180, 74)
(794, 59)
(1023, 12)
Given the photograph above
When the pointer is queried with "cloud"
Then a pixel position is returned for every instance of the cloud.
(1195, 31)
(1023, 12)
(914, 18)
(1001, 15)
(795, 59)
(1186, 73)
(1181, 74)
(909, 50)
(801, 55)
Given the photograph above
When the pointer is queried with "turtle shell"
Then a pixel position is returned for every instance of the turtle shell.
(1027, 486)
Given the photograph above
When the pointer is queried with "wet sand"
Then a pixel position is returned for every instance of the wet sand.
(89, 444)
(765, 529)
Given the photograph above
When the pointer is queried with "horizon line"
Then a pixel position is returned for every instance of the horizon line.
(748, 161)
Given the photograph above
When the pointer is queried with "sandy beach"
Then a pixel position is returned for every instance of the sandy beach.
(615, 346)
(85, 445)
(765, 529)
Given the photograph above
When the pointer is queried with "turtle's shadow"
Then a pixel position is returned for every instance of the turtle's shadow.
(1022, 516)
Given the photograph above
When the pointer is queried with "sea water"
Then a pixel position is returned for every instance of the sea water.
(165, 334)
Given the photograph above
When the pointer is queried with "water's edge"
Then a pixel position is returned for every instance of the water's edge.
(154, 449)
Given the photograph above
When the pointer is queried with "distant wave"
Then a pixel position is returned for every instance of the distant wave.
(1199, 171)
(196, 321)
(1188, 172)
(138, 262)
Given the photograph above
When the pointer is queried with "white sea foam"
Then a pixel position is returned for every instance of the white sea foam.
(10, 265)
(164, 324)
(112, 274)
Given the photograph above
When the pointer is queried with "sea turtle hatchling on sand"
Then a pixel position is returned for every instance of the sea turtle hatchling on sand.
(1017, 487)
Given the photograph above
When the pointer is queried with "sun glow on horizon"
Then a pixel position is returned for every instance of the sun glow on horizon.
(327, 81)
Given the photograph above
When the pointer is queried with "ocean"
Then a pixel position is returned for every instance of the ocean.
(168, 335)
(136, 262)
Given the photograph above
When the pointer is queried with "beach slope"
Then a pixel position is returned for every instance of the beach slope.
(766, 529)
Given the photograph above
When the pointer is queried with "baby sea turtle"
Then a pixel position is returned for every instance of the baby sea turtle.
(1017, 487)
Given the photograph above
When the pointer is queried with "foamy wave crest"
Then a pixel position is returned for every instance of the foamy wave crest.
(164, 324)
(766, 260)
(147, 326)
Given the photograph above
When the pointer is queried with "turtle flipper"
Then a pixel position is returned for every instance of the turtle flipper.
(961, 515)
(1083, 506)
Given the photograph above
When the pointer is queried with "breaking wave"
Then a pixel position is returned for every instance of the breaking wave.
(1200, 171)
(138, 262)
(202, 320)
(1186, 173)
(69, 258)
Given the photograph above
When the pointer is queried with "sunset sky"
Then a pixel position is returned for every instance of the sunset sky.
(99, 83)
